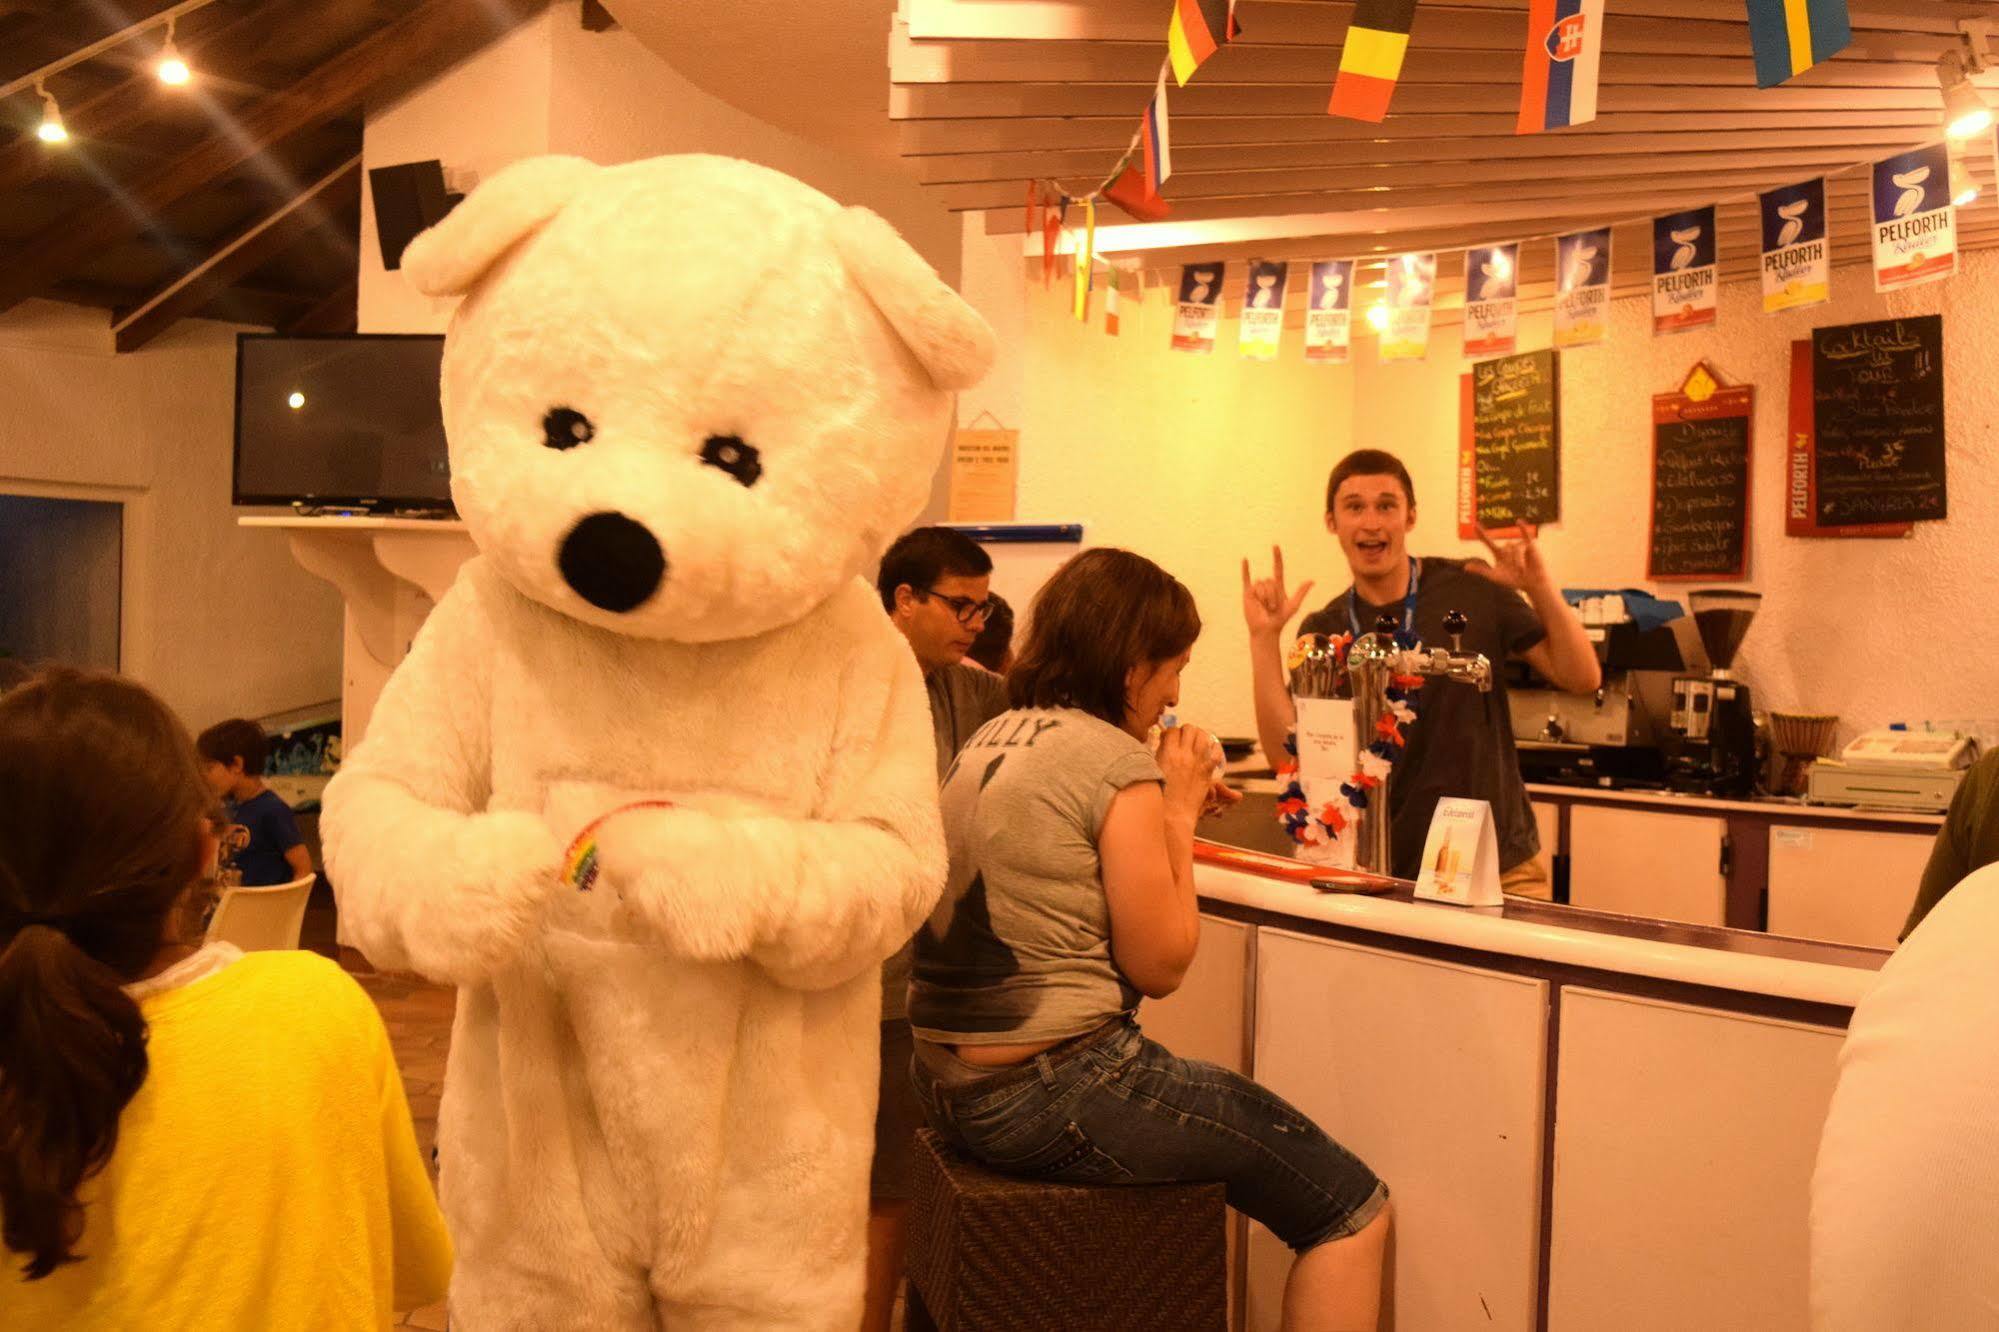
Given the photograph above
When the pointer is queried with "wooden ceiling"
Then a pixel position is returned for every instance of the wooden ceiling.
(988, 94)
(237, 197)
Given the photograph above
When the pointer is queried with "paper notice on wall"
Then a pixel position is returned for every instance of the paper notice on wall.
(1797, 259)
(1915, 226)
(1684, 271)
(1412, 284)
(1582, 287)
(1200, 300)
(1262, 323)
(1491, 310)
(1328, 318)
(984, 464)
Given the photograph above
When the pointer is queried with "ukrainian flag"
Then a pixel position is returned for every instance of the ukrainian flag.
(1790, 36)
(1371, 59)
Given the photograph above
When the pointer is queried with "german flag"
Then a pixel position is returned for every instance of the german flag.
(1198, 30)
(1371, 59)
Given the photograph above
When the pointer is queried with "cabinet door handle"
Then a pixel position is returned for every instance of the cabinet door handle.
(1727, 855)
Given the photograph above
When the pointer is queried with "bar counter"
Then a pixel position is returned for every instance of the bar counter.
(1574, 1110)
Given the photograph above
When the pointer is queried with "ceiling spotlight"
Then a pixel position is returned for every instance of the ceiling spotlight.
(295, 400)
(1964, 111)
(51, 130)
(1377, 316)
(172, 69)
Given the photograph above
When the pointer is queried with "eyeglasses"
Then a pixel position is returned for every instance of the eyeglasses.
(964, 608)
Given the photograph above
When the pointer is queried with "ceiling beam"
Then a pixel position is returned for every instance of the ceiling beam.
(437, 30)
(136, 98)
(242, 254)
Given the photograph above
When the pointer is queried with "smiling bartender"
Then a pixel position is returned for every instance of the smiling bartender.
(1462, 741)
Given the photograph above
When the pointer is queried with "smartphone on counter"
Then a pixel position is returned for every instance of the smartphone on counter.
(1369, 887)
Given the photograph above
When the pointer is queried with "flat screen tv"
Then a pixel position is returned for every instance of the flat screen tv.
(347, 421)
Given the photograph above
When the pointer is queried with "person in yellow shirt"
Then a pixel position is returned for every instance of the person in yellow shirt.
(195, 1138)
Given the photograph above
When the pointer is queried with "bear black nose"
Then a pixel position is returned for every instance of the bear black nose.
(612, 562)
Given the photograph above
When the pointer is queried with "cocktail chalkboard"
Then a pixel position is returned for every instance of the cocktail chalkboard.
(1510, 458)
(1700, 485)
(1877, 403)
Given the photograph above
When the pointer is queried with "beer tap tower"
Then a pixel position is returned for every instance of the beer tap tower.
(1372, 664)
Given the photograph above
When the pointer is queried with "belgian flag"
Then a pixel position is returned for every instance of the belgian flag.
(1371, 59)
(1198, 30)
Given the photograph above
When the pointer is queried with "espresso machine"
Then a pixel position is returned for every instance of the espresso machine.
(1711, 748)
(1613, 738)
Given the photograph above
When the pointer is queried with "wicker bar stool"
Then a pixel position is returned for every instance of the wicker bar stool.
(990, 1253)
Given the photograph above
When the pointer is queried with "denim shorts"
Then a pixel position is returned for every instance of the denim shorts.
(1111, 1107)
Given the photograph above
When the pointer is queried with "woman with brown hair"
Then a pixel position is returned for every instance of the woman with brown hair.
(192, 1137)
(1071, 896)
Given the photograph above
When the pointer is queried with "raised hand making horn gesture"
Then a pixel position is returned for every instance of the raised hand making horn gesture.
(1266, 606)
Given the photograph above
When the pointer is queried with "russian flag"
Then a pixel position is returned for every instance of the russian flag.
(1156, 138)
(1558, 77)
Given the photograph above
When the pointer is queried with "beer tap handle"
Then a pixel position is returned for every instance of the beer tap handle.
(1387, 625)
(1455, 624)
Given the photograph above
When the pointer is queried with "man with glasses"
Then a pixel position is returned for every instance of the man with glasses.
(935, 585)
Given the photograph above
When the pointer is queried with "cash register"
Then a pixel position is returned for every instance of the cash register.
(1895, 767)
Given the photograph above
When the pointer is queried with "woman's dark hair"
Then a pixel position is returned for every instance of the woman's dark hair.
(100, 837)
(1369, 462)
(989, 649)
(1103, 612)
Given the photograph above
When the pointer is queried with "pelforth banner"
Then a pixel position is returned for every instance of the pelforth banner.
(1915, 227)
(1492, 312)
(1582, 287)
(1412, 282)
(1797, 261)
(1262, 322)
(1200, 300)
(1683, 271)
(1328, 317)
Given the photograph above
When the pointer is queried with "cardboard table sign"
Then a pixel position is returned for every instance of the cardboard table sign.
(1461, 857)
(1328, 745)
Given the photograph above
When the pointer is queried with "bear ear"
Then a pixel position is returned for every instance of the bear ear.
(448, 258)
(948, 336)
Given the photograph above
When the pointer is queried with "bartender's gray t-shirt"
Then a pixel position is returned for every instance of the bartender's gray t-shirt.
(1019, 947)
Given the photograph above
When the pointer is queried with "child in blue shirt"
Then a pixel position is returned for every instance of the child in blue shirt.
(264, 845)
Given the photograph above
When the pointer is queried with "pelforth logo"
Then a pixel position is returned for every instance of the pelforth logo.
(1565, 39)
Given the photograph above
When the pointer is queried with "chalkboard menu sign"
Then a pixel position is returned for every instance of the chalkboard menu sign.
(1510, 453)
(1700, 481)
(1877, 404)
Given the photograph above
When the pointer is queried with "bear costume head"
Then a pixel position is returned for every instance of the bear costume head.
(688, 398)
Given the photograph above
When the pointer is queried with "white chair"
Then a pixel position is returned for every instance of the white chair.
(261, 918)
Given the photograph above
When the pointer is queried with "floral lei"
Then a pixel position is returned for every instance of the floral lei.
(1372, 765)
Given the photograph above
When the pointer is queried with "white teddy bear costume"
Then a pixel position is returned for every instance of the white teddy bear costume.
(689, 402)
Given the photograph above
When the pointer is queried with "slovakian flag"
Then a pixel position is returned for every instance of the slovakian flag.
(1199, 28)
(1558, 79)
(1155, 139)
(1371, 59)
(1790, 36)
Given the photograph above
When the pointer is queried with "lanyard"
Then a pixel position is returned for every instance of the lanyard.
(1408, 602)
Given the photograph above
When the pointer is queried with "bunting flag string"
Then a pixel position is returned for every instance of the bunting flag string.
(1156, 139)
(1371, 59)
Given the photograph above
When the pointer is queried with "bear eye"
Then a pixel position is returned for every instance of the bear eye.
(734, 457)
(565, 428)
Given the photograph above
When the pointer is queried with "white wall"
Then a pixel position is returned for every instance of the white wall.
(219, 620)
(1194, 461)
(1875, 631)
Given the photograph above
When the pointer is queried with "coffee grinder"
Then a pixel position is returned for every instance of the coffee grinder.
(1713, 745)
